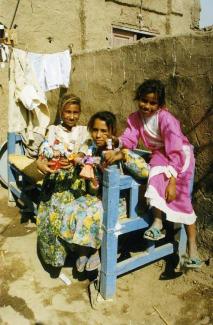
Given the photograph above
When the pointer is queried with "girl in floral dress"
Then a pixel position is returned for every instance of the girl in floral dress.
(74, 215)
(57, 183)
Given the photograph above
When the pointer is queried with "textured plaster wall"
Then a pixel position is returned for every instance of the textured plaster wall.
(86, 24)
(51, 26)
(37, 21)
(107, 79)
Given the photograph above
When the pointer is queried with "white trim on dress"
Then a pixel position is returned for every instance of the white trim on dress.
(155, 200)
(151, 128)
(187, 152)
(167, 170)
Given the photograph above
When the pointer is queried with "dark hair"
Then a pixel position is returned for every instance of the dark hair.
(105, 116)
(151, 86)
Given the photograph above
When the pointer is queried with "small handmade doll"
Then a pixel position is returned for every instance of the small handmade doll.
(89, 168)
(55, 153)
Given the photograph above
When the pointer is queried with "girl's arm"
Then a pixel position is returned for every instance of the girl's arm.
(93, 186)
(133, 163)
(170, 193)
(111, 156)
(130, 137)
(44, 166)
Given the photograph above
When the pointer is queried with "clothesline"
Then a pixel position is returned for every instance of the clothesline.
(5, 51)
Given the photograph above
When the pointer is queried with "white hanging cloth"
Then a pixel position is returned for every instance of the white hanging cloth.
(52, 70)
(32, 74)
(27, 101)
(4, 55)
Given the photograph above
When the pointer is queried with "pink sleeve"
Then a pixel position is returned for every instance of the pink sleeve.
(173, 142)
(130, 137)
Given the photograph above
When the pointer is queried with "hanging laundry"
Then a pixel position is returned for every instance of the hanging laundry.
(28, 112)
(52, 70)
(31, 75)
(4, 55)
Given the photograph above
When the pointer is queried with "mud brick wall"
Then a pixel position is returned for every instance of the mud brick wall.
(107, 79)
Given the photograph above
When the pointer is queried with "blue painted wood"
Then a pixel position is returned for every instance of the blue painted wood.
(150, 246)
(111, 195)
(132, 224)
(109, 247)
(3, 164)
(113, 183)
(133, 199)
(18, 183)
(144, 258)
(11, 147)
(113, 227)
(125, 182)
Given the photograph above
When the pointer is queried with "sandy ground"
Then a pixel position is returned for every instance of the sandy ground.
(30, 296)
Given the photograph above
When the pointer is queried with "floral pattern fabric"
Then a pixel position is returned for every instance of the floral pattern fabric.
(69, 213)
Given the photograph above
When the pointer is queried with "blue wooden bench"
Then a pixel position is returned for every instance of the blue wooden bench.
(21, 184)
(24, 180)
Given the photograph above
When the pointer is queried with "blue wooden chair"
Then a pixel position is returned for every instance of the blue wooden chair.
(113, 184)
(24, 180)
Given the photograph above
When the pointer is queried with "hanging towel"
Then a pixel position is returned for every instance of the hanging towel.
(52, 70)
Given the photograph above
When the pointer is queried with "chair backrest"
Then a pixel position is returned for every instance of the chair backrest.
(14, 143)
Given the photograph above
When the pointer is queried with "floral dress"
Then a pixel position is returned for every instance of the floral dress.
(71, 212)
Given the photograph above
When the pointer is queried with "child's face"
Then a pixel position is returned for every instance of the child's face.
(100, 133)
(70, 115)
(148, 105)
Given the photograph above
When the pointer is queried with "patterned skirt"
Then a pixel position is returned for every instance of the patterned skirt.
(68, 215)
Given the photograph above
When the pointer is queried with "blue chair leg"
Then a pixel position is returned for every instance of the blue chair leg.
(150, 246)
(108, 275)
(11, 143)
(11, 197)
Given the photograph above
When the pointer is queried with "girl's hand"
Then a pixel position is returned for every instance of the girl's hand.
(65, 163)
(44, 166)
(170, 193)
(112, 156)
(115, 141)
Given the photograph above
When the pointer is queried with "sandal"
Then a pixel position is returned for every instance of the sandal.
(153, 234)
(81, 263)
(93, 262)
(193, 263)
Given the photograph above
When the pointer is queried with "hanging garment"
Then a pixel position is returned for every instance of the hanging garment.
(52, 70)
(4, 55)
(28, 112)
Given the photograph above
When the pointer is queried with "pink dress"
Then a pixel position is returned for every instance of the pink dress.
(172, 155)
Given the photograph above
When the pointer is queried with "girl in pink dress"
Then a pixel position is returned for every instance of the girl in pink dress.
(171, 166)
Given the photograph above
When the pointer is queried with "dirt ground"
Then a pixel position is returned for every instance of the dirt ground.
(28, 295)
